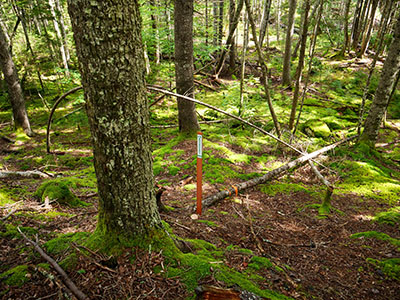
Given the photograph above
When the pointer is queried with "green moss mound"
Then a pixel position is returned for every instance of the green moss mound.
(285, 188)
(63, 242)
(59, 191)
(15, 276)
(390, 267)
(390, 217)
(378, 235)
(317, 128)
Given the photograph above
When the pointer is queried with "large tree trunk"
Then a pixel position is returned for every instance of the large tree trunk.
(110, 52)
(382, 95)
(14, 88)
(288, 44)
(183, 17)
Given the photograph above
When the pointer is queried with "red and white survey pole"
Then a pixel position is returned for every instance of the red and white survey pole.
(199, 171)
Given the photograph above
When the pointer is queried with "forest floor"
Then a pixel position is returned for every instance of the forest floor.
(312, 257)
(270, 240)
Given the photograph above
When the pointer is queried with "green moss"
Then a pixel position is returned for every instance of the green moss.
(258, 263)
(62, 243)
(190, 187)
(209, 223)
(285, 188)
(369, 178)
(317, 128)
(232, 277)
(16, 276)
(378, 235)
(391, 217)
(173, 170)
(5, 197)
(12, 232)
(59, 191)
(390, 267)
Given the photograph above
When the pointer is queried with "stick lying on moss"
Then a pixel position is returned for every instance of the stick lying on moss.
(68, 282)
(270, 175)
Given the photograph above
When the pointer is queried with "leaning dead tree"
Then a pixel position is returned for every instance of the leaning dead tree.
(270, 175)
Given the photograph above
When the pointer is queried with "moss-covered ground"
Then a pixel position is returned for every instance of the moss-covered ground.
(269, 240)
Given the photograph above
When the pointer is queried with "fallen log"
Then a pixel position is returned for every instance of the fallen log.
(270, 175)
(68, 282)
(26, 174)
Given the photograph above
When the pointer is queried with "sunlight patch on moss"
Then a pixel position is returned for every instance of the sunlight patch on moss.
(390, 267)
(391, 217)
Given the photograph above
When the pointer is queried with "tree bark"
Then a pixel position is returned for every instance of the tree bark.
(382, 95)
(264, 77)
(346, 27)
(232, 48)
(300, 65)
(265, 20)
(183, 20)
(368, 29)
(288, 45)
(17, 100)
(110, 52)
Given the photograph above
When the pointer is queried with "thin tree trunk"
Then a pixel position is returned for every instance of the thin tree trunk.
(154, 25)
(264, 77)
(389, 73)
(300, 65)
(278, 20)
(59, 36)
(183, 20)
(220, 22)
(265, 20)
(232, 48)
(288, 45)
(367, 34)
(346, 27)
(62, 28)
(20, 115)
(356, 23)
(320, 5)
(243, 62)
(230, 37)
(358, 31)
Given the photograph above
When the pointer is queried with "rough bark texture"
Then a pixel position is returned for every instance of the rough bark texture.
(183, 20)
(288, 44)
(14, 88)
(110, 52)
(382, 95)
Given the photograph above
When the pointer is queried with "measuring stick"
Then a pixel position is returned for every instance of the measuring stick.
(199, 171)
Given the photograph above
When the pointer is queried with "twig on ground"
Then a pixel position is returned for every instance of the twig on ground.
(26, 174)
(67, 281)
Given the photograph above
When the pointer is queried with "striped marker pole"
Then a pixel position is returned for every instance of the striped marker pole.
(199, 171)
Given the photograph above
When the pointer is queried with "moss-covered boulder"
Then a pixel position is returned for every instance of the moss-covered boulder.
(317, 128)
(58, 190)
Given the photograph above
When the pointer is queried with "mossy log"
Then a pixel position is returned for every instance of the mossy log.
(270, 175)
